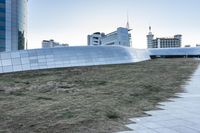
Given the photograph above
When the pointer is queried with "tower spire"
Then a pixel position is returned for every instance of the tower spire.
(149, 28)
(127, 24)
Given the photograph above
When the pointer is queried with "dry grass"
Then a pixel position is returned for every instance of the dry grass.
(96, 99)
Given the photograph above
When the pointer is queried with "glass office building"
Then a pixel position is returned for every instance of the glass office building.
(13, 25)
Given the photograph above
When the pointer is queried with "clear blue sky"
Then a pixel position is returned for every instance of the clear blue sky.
(70, 21)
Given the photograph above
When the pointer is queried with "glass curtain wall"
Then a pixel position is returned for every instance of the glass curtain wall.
(22, 23)
(2, 25)
(19, 22)
(13, 30)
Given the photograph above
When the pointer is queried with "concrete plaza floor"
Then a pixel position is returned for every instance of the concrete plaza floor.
(179, 115)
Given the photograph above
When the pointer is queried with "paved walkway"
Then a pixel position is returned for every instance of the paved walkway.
(182, 115)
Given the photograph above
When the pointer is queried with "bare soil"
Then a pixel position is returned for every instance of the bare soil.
(97, 99)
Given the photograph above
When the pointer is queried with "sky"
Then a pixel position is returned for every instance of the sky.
(70, 21)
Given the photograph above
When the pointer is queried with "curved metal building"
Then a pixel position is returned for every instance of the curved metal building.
(13, 25)
(69, 57)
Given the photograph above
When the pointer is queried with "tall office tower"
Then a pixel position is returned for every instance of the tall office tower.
(13, 25)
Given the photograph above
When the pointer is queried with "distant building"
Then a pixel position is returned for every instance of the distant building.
(52, 44)
(172, 42)
(187, 46)
(197, 45)
(120, 37)
(95, 39)
(150, 39)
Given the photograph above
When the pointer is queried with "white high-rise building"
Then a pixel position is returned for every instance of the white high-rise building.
(52, 44)
(172, 42)
(95, 39)
(120, 37)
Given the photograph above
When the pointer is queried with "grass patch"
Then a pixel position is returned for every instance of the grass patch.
(112, 115)
(44, 98)
(68, 115)
(88, 99)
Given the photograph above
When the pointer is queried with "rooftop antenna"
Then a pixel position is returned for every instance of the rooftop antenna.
(127, 24)
(150, 28)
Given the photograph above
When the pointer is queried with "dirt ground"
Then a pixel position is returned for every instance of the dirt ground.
(97, 99)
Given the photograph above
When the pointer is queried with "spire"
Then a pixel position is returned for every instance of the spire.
(149, 28)
(128, 24)
(150, 32)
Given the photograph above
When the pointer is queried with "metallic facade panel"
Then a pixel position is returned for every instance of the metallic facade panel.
(193, 51)
(69, 57)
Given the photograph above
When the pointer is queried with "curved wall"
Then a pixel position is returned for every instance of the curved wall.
(69, 57)
(193, 51)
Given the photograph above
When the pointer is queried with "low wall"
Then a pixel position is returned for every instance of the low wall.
(175, 52)
(69, 57)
